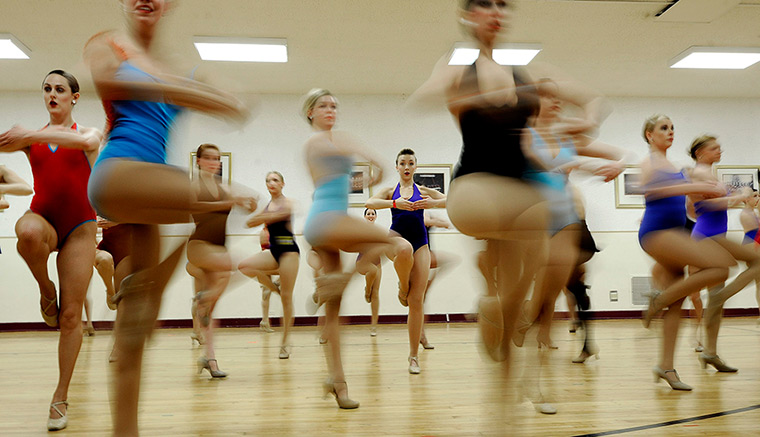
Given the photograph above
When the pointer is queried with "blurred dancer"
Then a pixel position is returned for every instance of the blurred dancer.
(283, 256)
(59, 218)
(206, 249)
(131, 182)
(662, 236)
(552, 155)
(750, 223)
(408, 201)
(328, 227)
(712, 223)
(372, 278)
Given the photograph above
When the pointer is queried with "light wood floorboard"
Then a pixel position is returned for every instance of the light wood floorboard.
(458, 392)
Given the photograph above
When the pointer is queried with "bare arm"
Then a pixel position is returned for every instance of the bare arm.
(13, 184)
(103, 63)
(381, 200)
(267, 217)
(431, 199)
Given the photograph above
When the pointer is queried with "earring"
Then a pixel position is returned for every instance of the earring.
(466, 22)
(73, 102)
(310, 117)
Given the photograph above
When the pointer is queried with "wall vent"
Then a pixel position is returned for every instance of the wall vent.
(641, 287)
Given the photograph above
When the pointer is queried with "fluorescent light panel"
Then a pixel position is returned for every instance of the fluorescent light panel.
(718, 58)
(12, 48)
(241, 49)
(504, 54)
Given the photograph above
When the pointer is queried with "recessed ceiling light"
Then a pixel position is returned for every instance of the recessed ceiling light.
(12, 48)
(241, 49)
(503, 54)
(719, 58)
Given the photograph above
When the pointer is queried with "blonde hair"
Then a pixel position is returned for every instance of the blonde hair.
(311, 99)
(649, 124)
(698, 143)
(282, 179)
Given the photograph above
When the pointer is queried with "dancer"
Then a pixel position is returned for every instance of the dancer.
(750, 223)
(328, 227)
(372, 278)
(206, 249)
(408, 201)
(282, 258)
(712, 223)
(661, 235)
(552, 154)
(59, 218)
(132, 184)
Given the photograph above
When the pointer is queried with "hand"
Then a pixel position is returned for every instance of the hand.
(404, 204)
(609, 171)
(4, 203)
(105, 223)
(424, 203)
(13, 136)
(248, 203)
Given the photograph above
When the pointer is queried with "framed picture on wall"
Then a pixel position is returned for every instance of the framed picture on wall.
(435, 176)
(628, 190)
(360, 192)
(225, 171)
(737, 177)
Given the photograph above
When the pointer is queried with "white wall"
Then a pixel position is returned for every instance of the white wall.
(273, 142)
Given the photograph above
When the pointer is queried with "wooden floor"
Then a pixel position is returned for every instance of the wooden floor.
(457, 393)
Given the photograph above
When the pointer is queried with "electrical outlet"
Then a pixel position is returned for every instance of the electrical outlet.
(613, 296)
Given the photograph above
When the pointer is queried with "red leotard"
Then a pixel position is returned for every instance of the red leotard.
(60, 187)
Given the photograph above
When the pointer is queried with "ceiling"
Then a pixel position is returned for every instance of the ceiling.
(390, 46)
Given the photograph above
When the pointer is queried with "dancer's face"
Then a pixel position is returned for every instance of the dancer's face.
(661, 136)
(370, 215)
(709, 153)
(324, 113)
(274, 184)
(488, 18)
(57, 94)
(406, 165)
(551, 105)
(145, 12)
(210, 161)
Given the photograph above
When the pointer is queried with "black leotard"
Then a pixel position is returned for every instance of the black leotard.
(491, 134)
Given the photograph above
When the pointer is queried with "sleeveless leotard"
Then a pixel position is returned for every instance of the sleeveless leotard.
(281, 238)
(211, 226)
(709, 223)
(330, 197)
(664, 213)
(491, 134)
(60, 187)
(410, 225)
(553, 184)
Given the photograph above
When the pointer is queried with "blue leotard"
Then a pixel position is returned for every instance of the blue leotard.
(709, 223)
(553, 184)
(667, 212)
(330, 197)
(138, 130)
(409, 224)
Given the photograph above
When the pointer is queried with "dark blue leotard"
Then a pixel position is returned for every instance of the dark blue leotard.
(709, 223)
(667, 212)
(409, 224)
